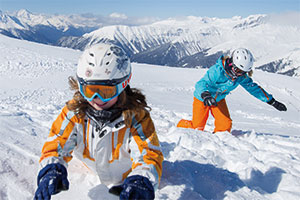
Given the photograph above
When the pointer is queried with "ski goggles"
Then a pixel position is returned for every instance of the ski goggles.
(92, 89)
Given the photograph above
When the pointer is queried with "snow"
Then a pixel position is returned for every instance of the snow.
(24, 19)
(271, 38)
(259, 160)
(267, 37)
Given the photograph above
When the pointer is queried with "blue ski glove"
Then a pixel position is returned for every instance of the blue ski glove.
(134, 187)
(51, 180)
(208, 100)
(279, 106)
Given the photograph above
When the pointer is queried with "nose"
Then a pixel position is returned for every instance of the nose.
(98, 100)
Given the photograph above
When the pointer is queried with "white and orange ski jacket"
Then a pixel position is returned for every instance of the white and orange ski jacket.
(114, 152)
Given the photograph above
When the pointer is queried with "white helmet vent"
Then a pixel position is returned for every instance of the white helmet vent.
(92, 64)
(243, 59)
(103, 62)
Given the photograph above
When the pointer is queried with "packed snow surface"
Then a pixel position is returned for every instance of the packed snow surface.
(259, 160)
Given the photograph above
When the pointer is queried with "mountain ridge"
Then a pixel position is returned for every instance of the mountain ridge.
(180, 42)
(41, 28)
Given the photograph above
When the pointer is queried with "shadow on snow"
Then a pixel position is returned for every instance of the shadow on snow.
(205, 181)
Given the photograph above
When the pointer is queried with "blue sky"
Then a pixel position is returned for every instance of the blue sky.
(155, 8)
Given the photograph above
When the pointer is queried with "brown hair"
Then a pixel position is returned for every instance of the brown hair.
(131, 101)
(250, 73)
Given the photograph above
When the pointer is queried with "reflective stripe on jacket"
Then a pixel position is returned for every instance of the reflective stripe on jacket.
(114, 152)
(220, 84)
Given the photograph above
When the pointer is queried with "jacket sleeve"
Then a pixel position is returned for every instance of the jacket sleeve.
(255, 90)
(61, 140)
(145, 150)
(207, 82)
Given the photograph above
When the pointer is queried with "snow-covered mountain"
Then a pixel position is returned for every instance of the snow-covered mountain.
(42, 28)
(259, 160)
(198, 41)
(181, 42)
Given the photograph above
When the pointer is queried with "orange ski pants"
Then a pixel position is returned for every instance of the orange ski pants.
(220, 112)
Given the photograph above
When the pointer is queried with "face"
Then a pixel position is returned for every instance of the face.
(237, 71)
(98, 104)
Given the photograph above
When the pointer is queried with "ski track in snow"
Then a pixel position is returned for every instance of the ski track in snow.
(259, 160)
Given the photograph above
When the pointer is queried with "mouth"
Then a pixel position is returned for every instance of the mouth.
(100, 104)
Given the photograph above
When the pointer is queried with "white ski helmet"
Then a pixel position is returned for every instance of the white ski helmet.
(104, 62)
(242, 59)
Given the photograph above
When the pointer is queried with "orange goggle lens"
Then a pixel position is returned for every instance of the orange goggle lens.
(104, 91)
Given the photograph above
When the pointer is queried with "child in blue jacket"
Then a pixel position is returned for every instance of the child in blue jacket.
(217, 83)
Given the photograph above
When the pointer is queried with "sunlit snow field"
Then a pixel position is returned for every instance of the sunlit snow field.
(259, 160)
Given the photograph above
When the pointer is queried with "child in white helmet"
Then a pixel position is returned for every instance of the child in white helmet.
(106, 125)
(217, 83)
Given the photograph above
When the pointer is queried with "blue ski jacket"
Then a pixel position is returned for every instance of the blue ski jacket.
(218, 82)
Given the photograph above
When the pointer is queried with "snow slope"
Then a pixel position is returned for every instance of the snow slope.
(187, 42)
(259, 160)
(178, 41)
